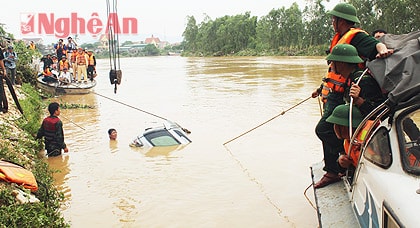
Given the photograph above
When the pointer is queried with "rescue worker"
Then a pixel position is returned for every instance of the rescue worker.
(91, 71)
(81, 61)
(64, 63)
(349, 159)
(52, 131)
(344, 18)
(340, 119)
(366, 96)
(48, 76)
(74, 65)
(32, 45)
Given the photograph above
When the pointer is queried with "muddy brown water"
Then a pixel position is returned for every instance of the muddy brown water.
(256, 180)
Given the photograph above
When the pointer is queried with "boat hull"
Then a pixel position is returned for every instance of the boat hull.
(72, 88)
(333, 205)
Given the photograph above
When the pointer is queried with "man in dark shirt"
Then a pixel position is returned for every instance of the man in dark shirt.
(52, 131)
(3, 101)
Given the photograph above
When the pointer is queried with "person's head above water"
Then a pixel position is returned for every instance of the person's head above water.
(112, 134)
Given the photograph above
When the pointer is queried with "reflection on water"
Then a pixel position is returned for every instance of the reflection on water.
(163, 151)
(113, 146)
(60, 167)
(256, 181)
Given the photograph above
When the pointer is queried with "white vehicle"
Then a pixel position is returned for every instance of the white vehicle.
(167, 135)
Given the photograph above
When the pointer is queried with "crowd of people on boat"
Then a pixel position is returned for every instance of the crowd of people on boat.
(69, 64)
(347, 80)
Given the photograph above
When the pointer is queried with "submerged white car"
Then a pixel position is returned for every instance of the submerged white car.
(169, 134)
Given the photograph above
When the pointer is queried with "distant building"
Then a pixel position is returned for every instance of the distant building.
(35, 40)
(152, 40)
(104, 41)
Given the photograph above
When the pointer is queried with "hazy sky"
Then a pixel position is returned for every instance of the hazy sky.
(165, 19)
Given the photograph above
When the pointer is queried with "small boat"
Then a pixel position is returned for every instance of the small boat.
(169, 134)
(69, 88)
(384, 188)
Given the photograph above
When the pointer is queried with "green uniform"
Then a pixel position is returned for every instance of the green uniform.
(370, 92)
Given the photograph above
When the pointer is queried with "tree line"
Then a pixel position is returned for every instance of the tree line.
(292, 31)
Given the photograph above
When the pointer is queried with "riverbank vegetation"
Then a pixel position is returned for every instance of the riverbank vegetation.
(18, 145)
(292, 31)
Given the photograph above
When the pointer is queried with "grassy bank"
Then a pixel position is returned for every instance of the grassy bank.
(18, 145)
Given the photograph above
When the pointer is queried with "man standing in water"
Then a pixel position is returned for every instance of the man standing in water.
(52, 131)
(113, 143)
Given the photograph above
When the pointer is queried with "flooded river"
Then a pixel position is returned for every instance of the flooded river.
(256, 180)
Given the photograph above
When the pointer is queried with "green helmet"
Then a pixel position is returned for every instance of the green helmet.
(340, 116)
(344, 53)
(345, 11)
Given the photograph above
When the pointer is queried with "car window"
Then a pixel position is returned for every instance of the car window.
(164, 141)
(161, 138)
(378, 150)
(411, 141)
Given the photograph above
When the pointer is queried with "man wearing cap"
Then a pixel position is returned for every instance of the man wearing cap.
(340, 119)
(10, 58)
(64, 63)
(366, 96)
(344, 18)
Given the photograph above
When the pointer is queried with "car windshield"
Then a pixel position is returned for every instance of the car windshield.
(161, 138)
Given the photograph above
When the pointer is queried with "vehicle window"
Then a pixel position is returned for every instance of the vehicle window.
(161, 138)
(411, 139)
(378, 150)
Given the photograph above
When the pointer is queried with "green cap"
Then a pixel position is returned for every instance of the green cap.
(345, 11)
(340, 116)
(344, 53)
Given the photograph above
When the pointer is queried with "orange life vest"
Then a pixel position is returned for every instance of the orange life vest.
(360, 138)
(73, 56)
(334, 82)
(91, 60)
(32, 46)
(81, 59)
(13, 173)
(47, 72)
(64, 64)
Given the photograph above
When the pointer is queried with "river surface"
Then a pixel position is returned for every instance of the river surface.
(257, 179)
